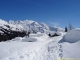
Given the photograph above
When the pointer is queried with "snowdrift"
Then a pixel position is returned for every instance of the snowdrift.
(72, 36)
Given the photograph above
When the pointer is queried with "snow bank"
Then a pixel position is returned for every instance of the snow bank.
(72, 36)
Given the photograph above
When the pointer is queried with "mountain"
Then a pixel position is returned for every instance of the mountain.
(29, 25)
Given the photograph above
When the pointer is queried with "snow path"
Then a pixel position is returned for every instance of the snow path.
(54, 49)
(44, 50)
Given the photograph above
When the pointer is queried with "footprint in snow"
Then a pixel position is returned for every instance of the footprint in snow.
(21, 56)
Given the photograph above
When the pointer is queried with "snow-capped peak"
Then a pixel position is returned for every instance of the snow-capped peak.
(2, 22)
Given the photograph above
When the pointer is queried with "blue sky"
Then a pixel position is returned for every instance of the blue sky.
(59, 12)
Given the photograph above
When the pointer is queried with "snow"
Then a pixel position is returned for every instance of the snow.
(2, 22)
(71, 50)
(17, 39)
(56, 28)
(20, 49)
(35, 35)
(29, 40)
(40, 46)
(72, 36)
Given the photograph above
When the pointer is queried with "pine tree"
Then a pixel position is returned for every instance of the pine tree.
(66, 29)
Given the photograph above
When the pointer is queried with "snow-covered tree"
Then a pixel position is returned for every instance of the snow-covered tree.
(70, 26)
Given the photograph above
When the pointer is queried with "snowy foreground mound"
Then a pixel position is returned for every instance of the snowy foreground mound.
(72, 36)
(39, 47)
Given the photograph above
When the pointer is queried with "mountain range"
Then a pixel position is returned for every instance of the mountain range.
(28, 25)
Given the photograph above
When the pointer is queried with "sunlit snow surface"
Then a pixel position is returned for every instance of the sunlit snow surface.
(39, 47)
